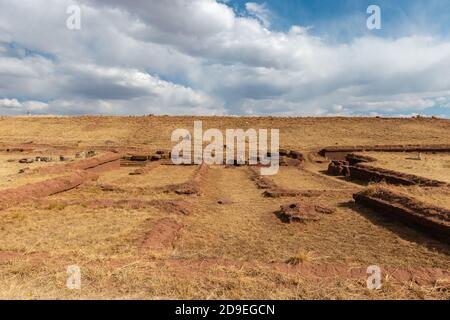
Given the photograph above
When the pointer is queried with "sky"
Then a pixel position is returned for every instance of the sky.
(228, 57)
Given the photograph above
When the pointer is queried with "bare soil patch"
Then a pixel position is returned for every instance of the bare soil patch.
(161, 236)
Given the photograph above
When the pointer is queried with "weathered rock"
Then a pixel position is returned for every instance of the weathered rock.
(24, 170)
(354, 159)
(138, 157)
(285, 161)
(338, 168)
(26, 160)
(301, 212)
(297, 155)
(109, 188)
(156, 157)
(43, 159)
(80, 155)
(90, 153)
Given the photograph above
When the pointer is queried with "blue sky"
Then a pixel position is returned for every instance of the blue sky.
(334, 18)
(284, 57)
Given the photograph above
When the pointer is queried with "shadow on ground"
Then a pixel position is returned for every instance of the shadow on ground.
(402, 230)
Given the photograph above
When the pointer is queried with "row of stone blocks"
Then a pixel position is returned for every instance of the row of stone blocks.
(78, 155)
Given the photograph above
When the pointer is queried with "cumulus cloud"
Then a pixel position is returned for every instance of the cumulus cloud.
(259, 11)
(10, 103)
(199, 56)
(13, 106)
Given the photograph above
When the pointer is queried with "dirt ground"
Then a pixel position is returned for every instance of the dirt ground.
(134, 237)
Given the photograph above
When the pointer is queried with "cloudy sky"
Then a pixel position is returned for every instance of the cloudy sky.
(279, 57)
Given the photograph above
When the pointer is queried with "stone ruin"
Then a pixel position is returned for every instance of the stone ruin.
(302, 212)
(43, 159)
(85, 154)
(78, 155)
(156, 156)
(339, 168)
(26, 160)
(291, 157)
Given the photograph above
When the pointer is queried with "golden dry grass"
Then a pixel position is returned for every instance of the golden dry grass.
(235, 249)
(434, 196)
(158, 176)
(10, 167)
(9, 171)
(155, 132)
(432, 166)
(105, 243)
(296, 178)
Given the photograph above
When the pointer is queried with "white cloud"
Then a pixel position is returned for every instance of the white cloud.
(13, 106)
(259, 11)
(10, 103)
(198, 56)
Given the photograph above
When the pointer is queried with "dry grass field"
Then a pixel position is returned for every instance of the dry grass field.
(432, 166)
(155, 132)
(134, 236)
